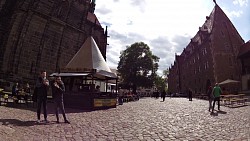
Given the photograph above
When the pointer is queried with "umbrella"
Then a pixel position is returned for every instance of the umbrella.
(228, 81)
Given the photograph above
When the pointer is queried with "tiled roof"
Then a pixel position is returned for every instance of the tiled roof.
(92, 18)
(245, 50)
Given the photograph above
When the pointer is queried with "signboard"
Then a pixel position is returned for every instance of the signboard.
(104, 102)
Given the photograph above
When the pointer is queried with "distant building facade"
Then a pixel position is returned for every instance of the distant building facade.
(244, 56)
(40, 35)
(211, 56)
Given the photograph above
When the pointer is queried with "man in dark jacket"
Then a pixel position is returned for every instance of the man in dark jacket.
(58, 89)
(42, 85)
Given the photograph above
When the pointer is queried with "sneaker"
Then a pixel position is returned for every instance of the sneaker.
(66, 121)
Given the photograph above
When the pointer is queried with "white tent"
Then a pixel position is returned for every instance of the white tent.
(89, 57)
(228, 81)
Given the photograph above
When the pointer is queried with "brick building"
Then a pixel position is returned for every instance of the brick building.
(211, 56)
(244, 56)
(44, 34)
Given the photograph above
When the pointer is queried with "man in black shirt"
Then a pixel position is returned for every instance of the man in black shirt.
(42, 85)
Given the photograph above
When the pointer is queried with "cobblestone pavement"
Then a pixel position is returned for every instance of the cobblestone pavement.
(146, 119)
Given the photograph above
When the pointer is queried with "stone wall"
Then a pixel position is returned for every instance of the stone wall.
(45, 35)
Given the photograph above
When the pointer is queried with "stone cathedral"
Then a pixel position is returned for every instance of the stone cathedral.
(40, 35)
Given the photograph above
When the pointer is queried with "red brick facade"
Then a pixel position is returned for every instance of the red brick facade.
(210, 57)
(244, 56)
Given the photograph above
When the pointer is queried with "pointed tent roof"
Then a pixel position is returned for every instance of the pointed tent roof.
(228, 81)
(89, 57)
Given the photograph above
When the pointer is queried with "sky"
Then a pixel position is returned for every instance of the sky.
(166, 26)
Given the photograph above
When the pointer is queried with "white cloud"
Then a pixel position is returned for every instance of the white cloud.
(240, 2)
(235, 13)
(165, 25)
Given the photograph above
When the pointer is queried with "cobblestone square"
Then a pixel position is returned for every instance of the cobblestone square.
(146, 119)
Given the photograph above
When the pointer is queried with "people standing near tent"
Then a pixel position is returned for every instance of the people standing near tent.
(216, 93)
(210, 97)
(58, 89)
(42, 85)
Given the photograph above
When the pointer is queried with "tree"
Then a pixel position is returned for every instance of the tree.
(160, 83)
(165, 73)
(138, 66)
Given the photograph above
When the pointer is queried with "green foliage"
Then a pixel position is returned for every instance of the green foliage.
(160, 83)
(137, 65)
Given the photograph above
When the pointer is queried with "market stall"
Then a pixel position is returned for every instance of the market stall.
(87, 70)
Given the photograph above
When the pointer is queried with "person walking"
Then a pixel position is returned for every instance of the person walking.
(210, 97)
(190, 94)
(216, 93)
(58, 89)
(163, 94)
(42, 85)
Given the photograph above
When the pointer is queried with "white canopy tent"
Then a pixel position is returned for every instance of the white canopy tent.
(88, 58)
(228, 81)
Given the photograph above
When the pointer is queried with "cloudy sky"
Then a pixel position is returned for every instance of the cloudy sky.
(166, 26)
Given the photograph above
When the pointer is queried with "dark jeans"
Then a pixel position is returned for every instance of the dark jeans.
(59, 105)
(218, 100)
(210, 100)
(40, 102)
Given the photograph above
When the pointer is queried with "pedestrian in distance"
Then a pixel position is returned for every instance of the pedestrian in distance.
(216, 93)
(163, 94)
(15, 91)
(120, 96)
(42, 85)
(58, 89)
(190, 94)
(210, 97)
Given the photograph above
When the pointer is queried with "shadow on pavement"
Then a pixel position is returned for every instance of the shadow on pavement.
(17, 122)
(221, 112)
(50, 108)
(214, 114)
(217, 112)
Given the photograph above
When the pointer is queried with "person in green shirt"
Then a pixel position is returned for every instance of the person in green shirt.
(216, 93)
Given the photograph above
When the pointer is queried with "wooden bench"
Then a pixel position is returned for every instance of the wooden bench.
(234, 100)
(238, 101)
